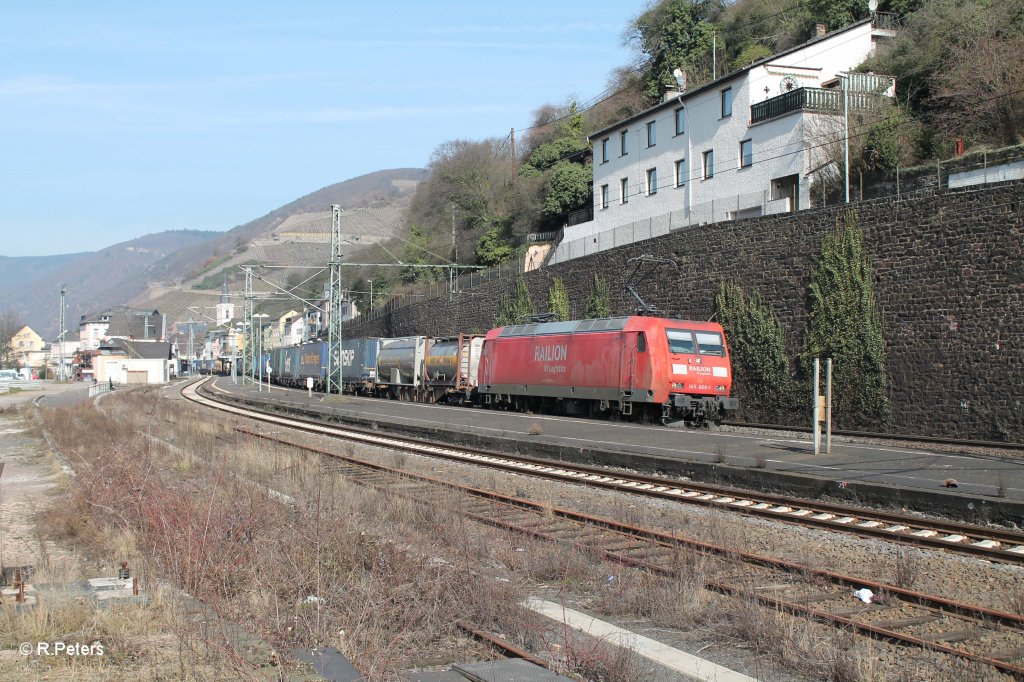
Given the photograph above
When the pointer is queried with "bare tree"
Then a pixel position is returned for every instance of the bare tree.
(983, 86)
(10, 324)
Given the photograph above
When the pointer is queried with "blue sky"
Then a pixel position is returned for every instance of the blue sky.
(119, 119)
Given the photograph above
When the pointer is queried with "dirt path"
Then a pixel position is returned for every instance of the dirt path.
(28, 482)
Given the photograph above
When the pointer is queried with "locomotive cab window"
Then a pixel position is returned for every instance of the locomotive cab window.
(710, 343)
(641, 342)
(680, 341)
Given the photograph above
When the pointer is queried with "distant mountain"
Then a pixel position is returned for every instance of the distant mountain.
(94, 280)
(17, 271)
(173, 271)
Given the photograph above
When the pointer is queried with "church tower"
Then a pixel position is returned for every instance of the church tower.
(225, 309)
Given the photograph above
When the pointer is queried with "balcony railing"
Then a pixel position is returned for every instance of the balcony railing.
(886, 21)
(811, 99)
(584, 215)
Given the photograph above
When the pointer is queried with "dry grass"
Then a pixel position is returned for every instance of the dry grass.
(380, 577)
(906, 568)
(794, 643)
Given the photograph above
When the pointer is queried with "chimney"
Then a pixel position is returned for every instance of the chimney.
(820, 29)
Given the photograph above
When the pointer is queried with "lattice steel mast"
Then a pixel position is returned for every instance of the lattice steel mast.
(334, 308)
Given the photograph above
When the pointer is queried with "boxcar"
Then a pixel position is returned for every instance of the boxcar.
(651, 368)
(359, 364)
(312, 364)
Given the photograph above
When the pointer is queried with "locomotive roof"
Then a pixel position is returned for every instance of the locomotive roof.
(542, 328)
(578, 326)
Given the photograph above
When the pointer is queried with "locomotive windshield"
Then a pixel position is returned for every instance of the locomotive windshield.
(710, 343)
(680, 341)
(707, 343)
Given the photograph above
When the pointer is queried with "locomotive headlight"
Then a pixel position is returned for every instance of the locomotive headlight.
(720, 388)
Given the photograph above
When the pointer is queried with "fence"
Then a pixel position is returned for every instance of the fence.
(508, 271)
(22, 385)
(97, 389)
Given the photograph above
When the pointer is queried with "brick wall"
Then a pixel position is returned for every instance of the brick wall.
(949, 282)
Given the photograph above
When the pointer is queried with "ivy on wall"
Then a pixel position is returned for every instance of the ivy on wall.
(599, 302)
(761, 376)
(558, 300)
(844, 324)
(516, 306)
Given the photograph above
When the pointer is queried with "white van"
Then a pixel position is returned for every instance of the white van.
(9, 375)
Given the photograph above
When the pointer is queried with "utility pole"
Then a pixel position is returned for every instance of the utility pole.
(513, 135)
(846, 134)
(453, 275)
(248, 348)
(714, 55)
(334, 307)
(60, 339)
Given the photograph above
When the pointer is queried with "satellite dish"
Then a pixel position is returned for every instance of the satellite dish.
(872, 6)
(680, 77)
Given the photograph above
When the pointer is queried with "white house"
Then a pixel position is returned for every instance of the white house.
(135, 362)
(92, 329)
(743, 145)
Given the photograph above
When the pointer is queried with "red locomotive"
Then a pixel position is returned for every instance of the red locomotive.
(652, 368)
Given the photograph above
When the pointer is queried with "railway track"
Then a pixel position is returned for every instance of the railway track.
(994, 544)
(973, 633)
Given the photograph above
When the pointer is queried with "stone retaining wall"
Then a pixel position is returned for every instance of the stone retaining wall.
(949, 282)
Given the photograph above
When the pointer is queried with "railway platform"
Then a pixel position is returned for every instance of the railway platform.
(968, 484)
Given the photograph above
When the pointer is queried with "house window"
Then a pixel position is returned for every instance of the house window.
(726, 102)
(681, 172)
(604, 150)
(680, 121)
(746, 154)
(709, 164)
(652, 181)
(622, 142)
(604, 196)
(651, 134)
(624, 190)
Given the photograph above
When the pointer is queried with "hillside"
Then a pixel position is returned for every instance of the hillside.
(172, 271)
(374, 209)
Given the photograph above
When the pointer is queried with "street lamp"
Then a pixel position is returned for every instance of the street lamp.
(259, 325)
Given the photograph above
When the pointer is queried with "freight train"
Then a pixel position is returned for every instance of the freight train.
(647, 369)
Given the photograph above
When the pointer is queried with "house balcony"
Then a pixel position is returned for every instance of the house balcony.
(885, 23)
(817, 100)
